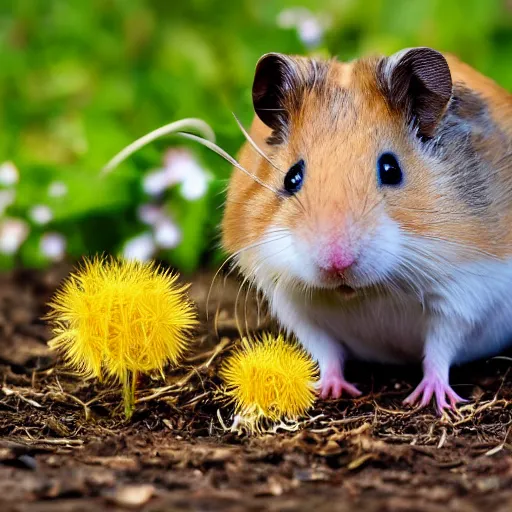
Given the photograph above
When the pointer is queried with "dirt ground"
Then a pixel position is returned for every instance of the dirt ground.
(64, 445)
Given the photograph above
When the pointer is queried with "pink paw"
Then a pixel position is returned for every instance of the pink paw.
(333, 384)
(434, 386)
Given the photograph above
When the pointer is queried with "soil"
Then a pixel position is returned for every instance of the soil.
(64, 445)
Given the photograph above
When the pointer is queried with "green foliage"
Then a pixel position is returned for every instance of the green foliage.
(79, 80)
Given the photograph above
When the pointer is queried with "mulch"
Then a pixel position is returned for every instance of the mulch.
(65, 446)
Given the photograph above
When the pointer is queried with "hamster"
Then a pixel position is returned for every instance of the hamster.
(375, 213)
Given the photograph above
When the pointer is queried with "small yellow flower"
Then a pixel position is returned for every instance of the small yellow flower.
(114, 319)
(270, 379)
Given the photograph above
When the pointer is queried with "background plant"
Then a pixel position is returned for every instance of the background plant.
(79, 80)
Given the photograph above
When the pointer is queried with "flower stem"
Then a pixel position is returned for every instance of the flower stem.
(129, 393)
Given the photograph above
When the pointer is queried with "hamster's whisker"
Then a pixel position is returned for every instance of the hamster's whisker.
(255, 146)
(279, 234)
(253, 272)
(419, 267)
(273, 109)
(438, 216)
(467, 249)
(250, 286)
(217, 149)
(507, 158)
(230, 201)
(416, 252)
(398, 290)
(263, 155)
(259, 299)
(255, 269)
(440, 267)
(258, 263)
(237, 321)
(408, 274)
(415, 276)
(366, 211)
(279, 231)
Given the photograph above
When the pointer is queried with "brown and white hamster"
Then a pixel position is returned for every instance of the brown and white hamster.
(380, 226)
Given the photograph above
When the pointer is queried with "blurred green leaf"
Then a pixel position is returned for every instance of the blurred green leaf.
(81, 80)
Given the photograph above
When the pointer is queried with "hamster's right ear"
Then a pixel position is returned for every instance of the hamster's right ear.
(419, 81)
(276, 83)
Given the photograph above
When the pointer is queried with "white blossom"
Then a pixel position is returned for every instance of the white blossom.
(57, 189)
(194, 187)
(9, 174)
(155, 182)
(13, 232)
(7, 198)
(141, 247)
(53, 246)
(310, 32)
(167, 234)
(310, 27)
(150, 214)
(182, 167)
(288, 18)
(41, 214)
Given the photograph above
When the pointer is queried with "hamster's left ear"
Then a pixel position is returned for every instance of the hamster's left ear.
(418, 80)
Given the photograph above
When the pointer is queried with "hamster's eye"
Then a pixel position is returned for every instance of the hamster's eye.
(294, 178)
(388, 170)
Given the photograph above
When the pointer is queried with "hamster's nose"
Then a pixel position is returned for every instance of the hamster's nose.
(337, 262)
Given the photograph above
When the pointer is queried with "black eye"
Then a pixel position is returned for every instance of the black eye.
(388, 170)
(294, 178)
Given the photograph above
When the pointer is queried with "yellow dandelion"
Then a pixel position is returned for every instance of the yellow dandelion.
(114, 319)
(269, 379)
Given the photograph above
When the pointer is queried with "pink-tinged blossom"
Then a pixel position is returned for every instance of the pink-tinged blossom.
(13, 232)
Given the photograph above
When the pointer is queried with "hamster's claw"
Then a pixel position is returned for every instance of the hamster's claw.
(433, 386)
(333, 384)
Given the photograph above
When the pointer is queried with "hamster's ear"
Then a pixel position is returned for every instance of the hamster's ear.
(277, 86)
(418, 80)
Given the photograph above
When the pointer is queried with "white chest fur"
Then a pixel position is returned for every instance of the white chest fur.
(392, 328)
(376, 328)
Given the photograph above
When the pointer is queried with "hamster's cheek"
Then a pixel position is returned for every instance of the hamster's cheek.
(379, 256)
(281, 255)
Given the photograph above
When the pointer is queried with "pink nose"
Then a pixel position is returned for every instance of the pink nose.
(337, 262)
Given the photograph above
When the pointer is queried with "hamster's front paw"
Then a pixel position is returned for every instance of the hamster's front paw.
(434, 386)
(333, 384)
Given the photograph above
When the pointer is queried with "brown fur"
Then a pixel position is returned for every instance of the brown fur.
(341, 124)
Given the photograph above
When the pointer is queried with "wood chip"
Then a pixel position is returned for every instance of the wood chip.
(133, 496)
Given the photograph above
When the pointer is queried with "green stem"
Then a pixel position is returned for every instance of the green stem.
(129, 393)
